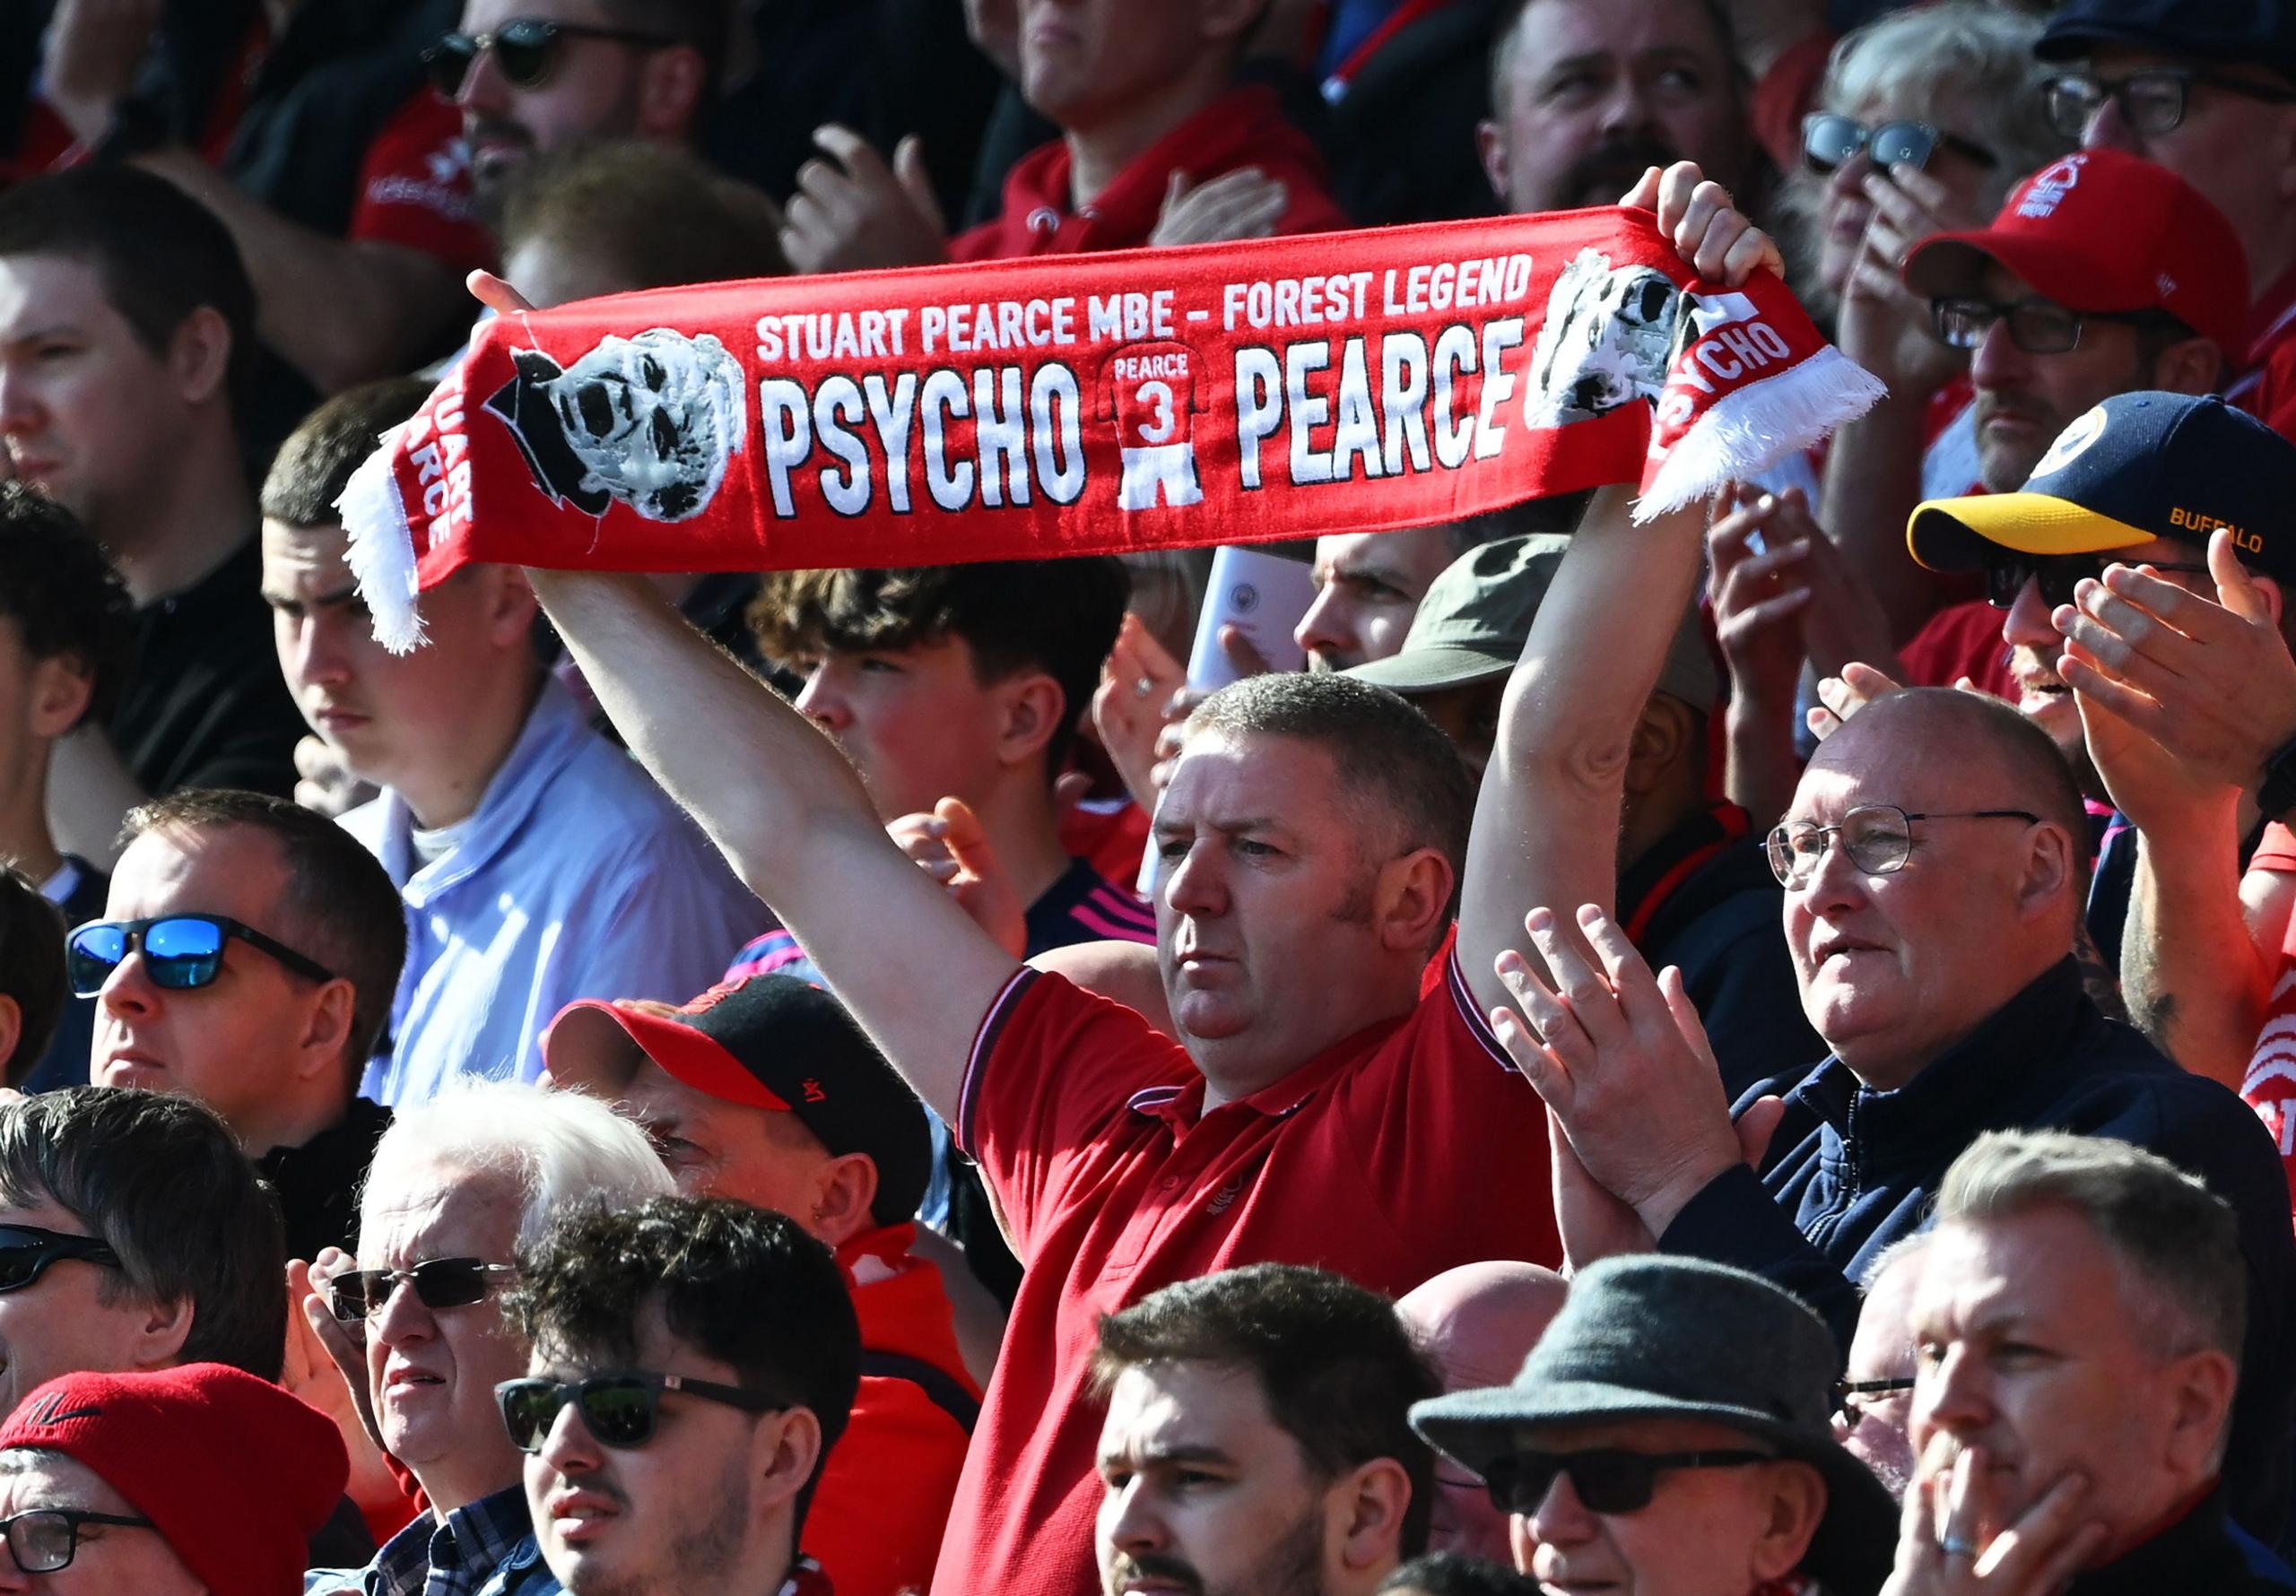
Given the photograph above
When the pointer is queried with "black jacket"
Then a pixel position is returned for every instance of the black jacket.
(2193, 1556)
(1851, 1170)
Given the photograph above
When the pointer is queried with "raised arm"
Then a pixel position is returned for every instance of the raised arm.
(790, 815)
(1546, 825)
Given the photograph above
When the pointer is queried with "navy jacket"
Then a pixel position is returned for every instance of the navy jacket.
(1851, 1170)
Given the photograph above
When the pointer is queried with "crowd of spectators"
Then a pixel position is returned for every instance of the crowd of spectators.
(1747, 1055)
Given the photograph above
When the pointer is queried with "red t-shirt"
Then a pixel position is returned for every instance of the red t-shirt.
(2270, 1085)
(414, 187)
(1244, 127)
(1112, 834)
(877, 1520)
(2265, 384)
(1404, 1150)
(1961, 640)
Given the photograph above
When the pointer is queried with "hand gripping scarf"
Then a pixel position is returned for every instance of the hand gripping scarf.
(1235, 393)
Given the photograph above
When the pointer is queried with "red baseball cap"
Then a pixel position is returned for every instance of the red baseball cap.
(233, 1472)
(2104, 230)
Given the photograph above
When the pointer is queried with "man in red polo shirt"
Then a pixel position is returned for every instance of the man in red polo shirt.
(1335, 1098)
(1159, 144)
(765, 1090)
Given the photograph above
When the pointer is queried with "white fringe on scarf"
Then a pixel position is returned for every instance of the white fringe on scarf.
(1747, 431)
(381, 556)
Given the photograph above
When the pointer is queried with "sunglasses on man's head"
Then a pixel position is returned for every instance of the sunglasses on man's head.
(180, 950)
(2007, 570)
(524, 51)
(1606, 1480)
(26, 1251)
(438, 1283)
(620, 1409)
(1830, 142)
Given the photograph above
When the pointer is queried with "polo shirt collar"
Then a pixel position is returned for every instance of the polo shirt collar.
(1181, 1107)
(553, 734)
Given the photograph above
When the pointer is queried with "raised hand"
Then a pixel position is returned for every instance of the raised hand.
(1244, 204)
(1711, 235)
(1132, 705)
(1885, 326)
(852, 212)
(953, 847)
(1947, 1545)
(89, 56)
(1843, 696)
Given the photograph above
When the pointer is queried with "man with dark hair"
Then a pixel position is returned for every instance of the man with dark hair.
(126, 329)
(735, 1321)
(64, 636)
(134, 1235)
(1314, 824)
(1369, 585)
(536, 864)
(2081, 1320)
(1293, 1387)
(248, 959)
(765, 1091)
(1586, 95)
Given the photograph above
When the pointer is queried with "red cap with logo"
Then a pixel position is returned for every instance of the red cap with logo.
(2104, 230)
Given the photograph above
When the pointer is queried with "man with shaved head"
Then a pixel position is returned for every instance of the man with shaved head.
(1477, 1324)
(1934, 858)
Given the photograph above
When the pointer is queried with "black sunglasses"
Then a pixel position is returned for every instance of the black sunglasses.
(620, 1409)
(1830, 142)
(438, 1282)
(1846, 1392)
(47, 1538)
(180, 950)
(26, 1251)
(524, 51)
(2007, 570)
(1606, 1480)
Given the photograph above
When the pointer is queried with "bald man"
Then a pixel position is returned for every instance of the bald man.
(1477, 1324)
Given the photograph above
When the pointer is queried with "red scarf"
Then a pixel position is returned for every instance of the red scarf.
(1279, 388)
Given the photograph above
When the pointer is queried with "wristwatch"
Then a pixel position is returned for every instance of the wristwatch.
(2277, 796)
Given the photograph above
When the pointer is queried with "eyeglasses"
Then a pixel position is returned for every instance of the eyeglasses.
(525, 50)
(48, 1539)
(26, 1251)
(1878, 838)
(438, 1283)
(1847, 1394)
(620, 1409)
(1605, 1480)
(2152, 101)
(2038, 326)
(1830, 142)
(2007, 570)
(180, 950)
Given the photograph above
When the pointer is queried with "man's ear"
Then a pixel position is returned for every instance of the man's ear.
(2189, 366)
(2274, 597)
(2048, 869)
(1368, 1506)
(199, 355)
(670, 87)
(1032, 706)
(2200, 1398)
(1797, 1504)
(789, 1444)
(1226, 21)
(1666, 728)
(61, 687)
(847, 1186)
(160, 1336)
(12, 1031)
(327, 1031)
(1411, 898)
(511, 606)
(1490, 146)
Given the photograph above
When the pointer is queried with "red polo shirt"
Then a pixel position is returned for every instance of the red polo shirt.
(875, 1521)
(2265, 383)
(1406, 1149)
(1244, 127)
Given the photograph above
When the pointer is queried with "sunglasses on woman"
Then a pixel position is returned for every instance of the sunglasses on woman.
(525, 51)
(620, 1409)
(1830, 142)
(1606, 1480)
(26, 1251)
(181, 951)
(438, 1283)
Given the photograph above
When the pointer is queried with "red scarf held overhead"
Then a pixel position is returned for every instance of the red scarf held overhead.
(1233, 392)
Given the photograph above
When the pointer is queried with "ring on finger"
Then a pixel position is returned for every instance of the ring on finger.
(1142, 687)
(1956, 1546)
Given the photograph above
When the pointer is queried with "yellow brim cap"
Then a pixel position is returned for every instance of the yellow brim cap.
(1952, 534)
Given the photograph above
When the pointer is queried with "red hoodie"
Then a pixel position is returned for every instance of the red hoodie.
(1244, 127)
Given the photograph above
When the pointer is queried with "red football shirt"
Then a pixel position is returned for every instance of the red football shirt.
(2265, 384)
(1404, 1150)
(875, 1521)
(414, 187)
(2270, 1085)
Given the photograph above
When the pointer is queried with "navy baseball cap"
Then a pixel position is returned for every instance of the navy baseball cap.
(2139, 466)
(771, 1042)
(2260, 30)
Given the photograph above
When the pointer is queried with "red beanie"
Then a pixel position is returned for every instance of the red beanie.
(235, 1473)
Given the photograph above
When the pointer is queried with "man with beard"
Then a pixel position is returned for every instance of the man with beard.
(1588, 94)
(1288, 1389)
(737, 1324)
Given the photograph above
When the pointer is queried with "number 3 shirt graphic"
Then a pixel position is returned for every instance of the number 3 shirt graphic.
(1149, 390)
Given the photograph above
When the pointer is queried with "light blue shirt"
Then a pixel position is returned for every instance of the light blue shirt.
(576, 877)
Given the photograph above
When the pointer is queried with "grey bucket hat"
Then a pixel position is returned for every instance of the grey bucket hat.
(1658, 1337)
(1473, 623)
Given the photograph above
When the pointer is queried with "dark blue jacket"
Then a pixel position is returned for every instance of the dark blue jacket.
(1851, 1170)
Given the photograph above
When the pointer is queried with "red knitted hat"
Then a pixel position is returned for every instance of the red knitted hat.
(235, 1473)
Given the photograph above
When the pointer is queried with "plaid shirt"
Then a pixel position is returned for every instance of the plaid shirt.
(428, 1558)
